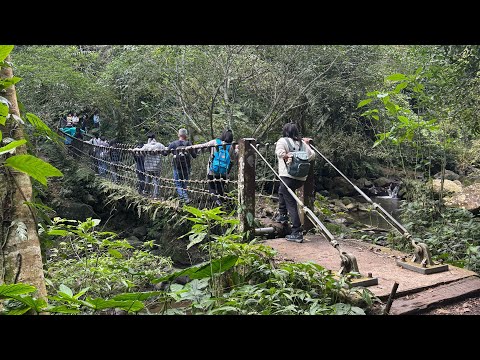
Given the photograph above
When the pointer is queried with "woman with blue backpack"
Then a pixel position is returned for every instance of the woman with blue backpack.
(221, 155)
(294, 156)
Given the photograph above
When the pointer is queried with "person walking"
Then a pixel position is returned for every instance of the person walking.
(153, 162)
(181, 163)
(139, 167)
(293, 175)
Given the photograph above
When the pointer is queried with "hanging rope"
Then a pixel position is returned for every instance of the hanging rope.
(122, 164)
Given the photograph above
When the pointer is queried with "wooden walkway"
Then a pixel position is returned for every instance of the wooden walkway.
(415, 292)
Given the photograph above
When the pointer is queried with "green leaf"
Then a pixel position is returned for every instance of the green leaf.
(396, 77)
(202, 271)
(141, 296)
(33, 166)
(65, 289)
(18, 311)
(115, 253)
(127, 305)
(58, 232)
(364, 102)
(11, 146)
(193, 210)
(400, 87)
(195, 239)
(3, 113)
(375, 117)
(15, 289)
(403, 119)
(391, 107)
(4, 51)
(37, 122)
(63, 309)
(6, 83)
(36, 304)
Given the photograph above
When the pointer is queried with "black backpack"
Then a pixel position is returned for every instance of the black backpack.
(181, 158)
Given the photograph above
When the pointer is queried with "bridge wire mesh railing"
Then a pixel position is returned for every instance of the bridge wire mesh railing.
(119, 164)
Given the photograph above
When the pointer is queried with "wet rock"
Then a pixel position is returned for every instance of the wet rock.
(449, 187)
(351, 206)
(468, 199)
(449, 175)
(341, 187)
(382, 182)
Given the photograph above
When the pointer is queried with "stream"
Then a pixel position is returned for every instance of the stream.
(391, 205)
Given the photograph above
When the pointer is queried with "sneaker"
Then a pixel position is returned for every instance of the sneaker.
(297, 237)
(281, 218)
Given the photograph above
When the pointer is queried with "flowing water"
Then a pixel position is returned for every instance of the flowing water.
(371, 218)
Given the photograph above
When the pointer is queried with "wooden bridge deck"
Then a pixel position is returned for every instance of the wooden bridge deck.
(427, 290)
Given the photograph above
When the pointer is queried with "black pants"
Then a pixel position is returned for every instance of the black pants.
(141, 180)
(215, 186)
(288, 203)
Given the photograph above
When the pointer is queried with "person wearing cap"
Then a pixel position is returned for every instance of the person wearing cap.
(181, 163)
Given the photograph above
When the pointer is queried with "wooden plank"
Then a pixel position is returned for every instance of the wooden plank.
(435, 296)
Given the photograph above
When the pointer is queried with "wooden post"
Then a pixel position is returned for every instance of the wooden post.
(307, 195)
(246, 186)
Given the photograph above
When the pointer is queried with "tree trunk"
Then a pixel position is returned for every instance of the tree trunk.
(21, 259)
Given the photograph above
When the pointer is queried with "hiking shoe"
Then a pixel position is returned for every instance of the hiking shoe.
(298, 237)
(281, 218)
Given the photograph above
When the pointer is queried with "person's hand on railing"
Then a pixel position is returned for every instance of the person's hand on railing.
(307, 140)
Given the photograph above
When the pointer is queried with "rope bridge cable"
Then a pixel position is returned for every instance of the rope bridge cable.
(348, 261)
(266, 182)
(121, 164)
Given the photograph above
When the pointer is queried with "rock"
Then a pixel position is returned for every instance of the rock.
(382, 182)
(134, 241)
(341, 187)
(458, 182)
(324, 193)
(339, 221)
(449, 187)
(339, 206)
(401, 193)
(449, 175)
(89, 199)
(472, 178)
(140, 231)
(468, 199)
(363, 207)
(368, 183)
(351, 206)
(347, 200)
(73, 210)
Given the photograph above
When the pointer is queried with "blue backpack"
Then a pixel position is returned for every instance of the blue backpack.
(221, 159)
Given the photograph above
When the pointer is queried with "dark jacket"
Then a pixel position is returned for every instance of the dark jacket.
(181, 159)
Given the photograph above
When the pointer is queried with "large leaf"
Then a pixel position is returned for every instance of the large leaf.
(57, 232)
(396, 77)
(127, 305)
(11, 146)
(4, 51)
(195, 239)
(65, 289)
(35, 167)
(3, 113)
(6, 83)
(364, 102)
(202, 271)
(37, 122)
(37, 304)
(15, 289)
(63, 309)
(115, 253)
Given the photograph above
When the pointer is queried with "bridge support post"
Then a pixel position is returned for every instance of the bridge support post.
(307, 195)
(246, 186)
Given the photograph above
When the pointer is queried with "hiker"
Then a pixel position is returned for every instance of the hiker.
(69, 118)
(75, 119)
(115, 159)
(293, 176)
(139, 167)
(102, 153)
(181, 163)
(96, 120)
(78, 142)
(69, 129)
(153, 162)
(220, 163)
(94, 151)
(83, 123)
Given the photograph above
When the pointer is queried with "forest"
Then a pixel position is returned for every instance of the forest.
(87, 228)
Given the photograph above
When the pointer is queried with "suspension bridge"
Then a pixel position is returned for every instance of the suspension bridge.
(415, 282)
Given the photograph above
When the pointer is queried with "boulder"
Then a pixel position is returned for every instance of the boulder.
(73, 210)
(341, 187)
(140, 231)
(382, 182)
(134, 241)
(351, 206)
(449, 175)
(449, 187)
(347, 200)
(468, 199)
